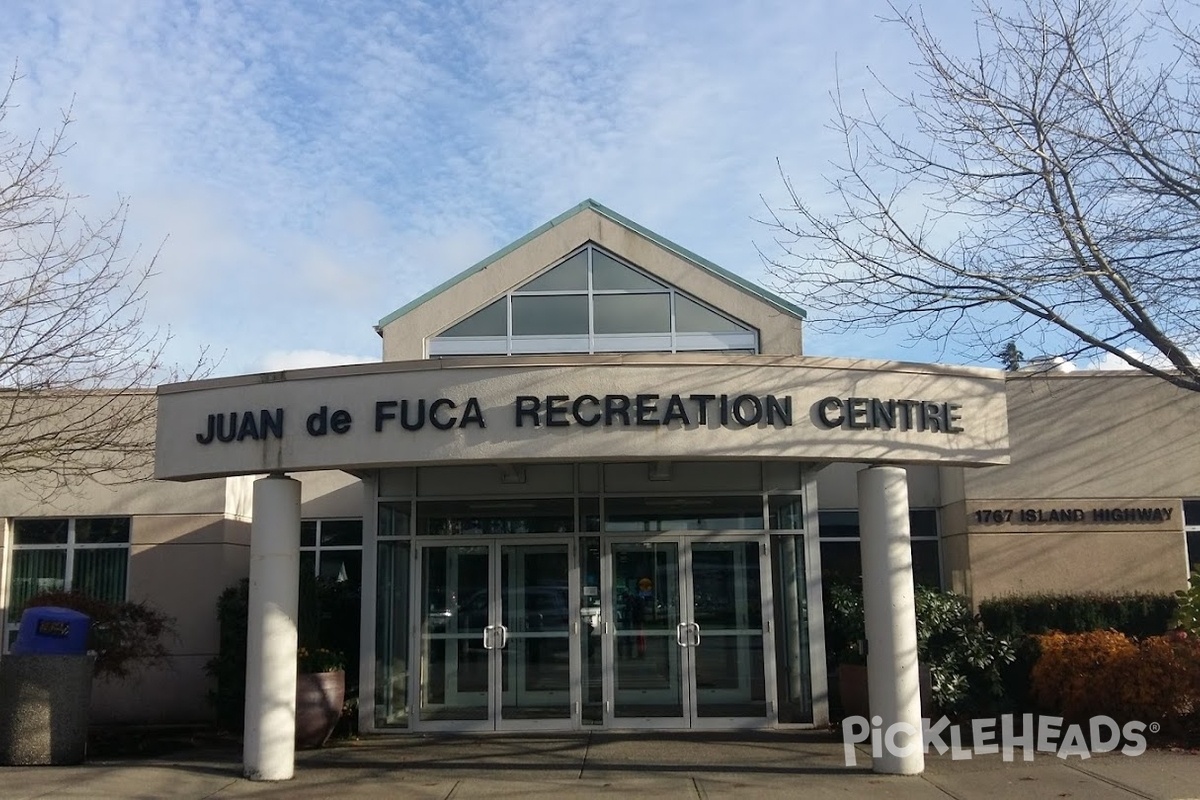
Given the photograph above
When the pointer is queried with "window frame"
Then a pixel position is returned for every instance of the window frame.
(670, 341)
(316, 548)
(70, 547)
(936, 536)
(1191, 532)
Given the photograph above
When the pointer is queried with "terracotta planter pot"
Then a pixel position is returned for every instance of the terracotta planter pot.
(319, 700)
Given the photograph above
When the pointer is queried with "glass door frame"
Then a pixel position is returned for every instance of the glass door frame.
(689, 717)
(495, 701)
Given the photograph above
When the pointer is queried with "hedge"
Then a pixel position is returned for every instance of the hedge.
(1137, 615)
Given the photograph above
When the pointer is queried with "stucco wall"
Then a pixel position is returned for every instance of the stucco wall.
(404, 338)
(1082, 440)
(180, 564)
(118, 499)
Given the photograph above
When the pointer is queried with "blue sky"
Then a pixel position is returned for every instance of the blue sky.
(308, 167)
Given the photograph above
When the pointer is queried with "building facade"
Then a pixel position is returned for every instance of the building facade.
(595, 483)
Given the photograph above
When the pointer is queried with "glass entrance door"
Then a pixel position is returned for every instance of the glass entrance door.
(687, 645)
(727, 632)
(495, 635)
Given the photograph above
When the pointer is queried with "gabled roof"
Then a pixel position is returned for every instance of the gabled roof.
(729, 277)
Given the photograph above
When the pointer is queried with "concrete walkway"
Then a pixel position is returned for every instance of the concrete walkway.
(751, 766)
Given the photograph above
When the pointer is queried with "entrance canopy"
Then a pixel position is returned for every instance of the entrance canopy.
(580, 407)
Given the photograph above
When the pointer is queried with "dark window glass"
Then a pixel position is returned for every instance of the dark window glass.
(691, 317)
(589, 514)
(491, 320)
(608, 273)
(786, 512)
(341, 532)
(844, 524)
(555, 315)
(922, 522)
(840, 561)
(567, 276)
(308, 563)
(495, 517)
(927, 568)
(40, 531)
(101, 572)
(102, 530)
(340, 566)
(34, 572)
(1191, 512)
(393, 518)
(1193, 549)
(308, 533)
(639, 514)
(838, 524)
(633, 313)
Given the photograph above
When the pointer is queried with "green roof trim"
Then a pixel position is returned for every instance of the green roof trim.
(722, 273)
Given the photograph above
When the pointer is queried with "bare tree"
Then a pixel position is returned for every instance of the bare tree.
(1041, 186)
(77, 364)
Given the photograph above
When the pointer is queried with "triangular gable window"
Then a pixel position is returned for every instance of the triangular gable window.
(592, 302)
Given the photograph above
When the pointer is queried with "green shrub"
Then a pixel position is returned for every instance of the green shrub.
(328, 622)
(228, 667)
(963, 659)
(1187, 615)
(1137, 615)
(844, 626)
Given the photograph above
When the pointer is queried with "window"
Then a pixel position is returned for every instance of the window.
(494, 517)
(642, 514)
(331, 588)
(86, 554)
(1191, 527)
(841, 558)
(592, 302)
(331, 549)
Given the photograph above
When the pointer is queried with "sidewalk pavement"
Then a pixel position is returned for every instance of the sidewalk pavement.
(651, 766)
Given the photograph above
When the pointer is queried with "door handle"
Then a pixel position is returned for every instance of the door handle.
(679, 634)
(504, 636)
(694, 628)
(487, 637)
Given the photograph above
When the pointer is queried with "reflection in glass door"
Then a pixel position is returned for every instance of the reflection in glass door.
(688, 636)
(727, 638)
(536, 628)
(646, 642)
(454, 672)
(495, 635)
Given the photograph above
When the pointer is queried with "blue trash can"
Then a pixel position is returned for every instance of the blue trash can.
(48, 630)
(45, 689)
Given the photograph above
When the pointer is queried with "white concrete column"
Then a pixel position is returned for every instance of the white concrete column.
(892, 681)
(269, 745)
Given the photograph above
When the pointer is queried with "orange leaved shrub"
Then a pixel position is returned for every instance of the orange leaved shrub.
(1156, 679)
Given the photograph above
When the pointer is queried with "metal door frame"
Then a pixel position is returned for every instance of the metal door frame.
(609, 637)
(766, 611)
(689, 718)
(494, 720)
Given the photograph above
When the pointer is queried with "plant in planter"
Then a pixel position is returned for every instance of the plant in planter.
(960, 662)
(845, 639)
(320, 694)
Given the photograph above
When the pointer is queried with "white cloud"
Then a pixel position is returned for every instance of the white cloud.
(313, 167)
(279, 360)
(1110, 361)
